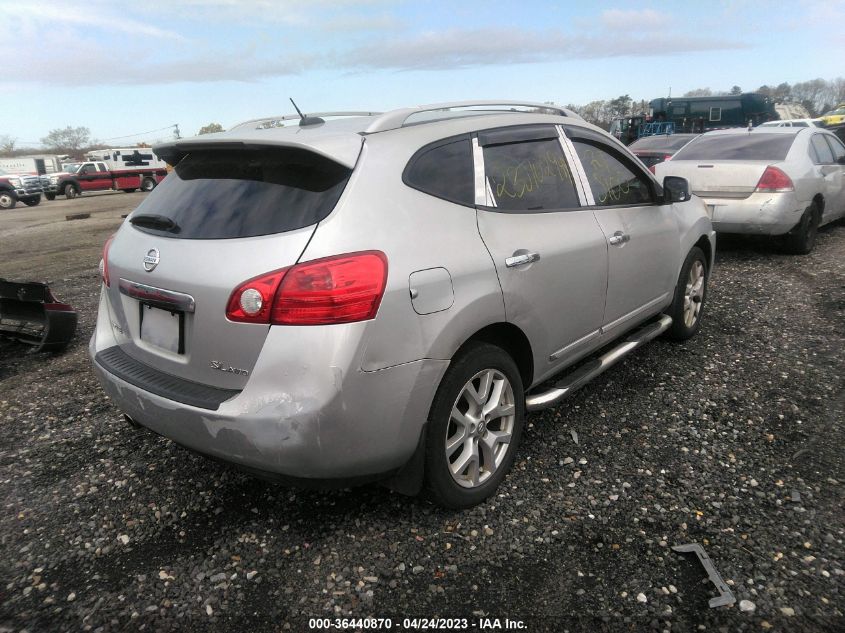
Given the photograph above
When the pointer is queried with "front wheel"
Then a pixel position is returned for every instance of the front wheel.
(690, 294)
(70, 191)
(50, 196)
(801, 239)
(7, 200)
(148, 184)
(474, 428)
(32, 202)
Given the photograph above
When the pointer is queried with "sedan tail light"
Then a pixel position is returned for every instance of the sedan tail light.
(774, 180)
(338, 289)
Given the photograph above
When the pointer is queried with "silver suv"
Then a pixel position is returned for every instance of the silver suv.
(357, 296)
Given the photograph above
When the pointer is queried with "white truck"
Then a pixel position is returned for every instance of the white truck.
(124, 169)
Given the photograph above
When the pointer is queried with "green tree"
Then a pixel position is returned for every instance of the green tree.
(211, 128)
(736, 90)
(67, 140)
(620, 106)
(699, 92)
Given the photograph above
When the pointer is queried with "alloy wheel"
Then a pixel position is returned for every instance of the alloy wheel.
(694, 293)
(480, 428)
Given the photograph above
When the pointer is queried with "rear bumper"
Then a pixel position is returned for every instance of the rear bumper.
(758, 214)
(316, 420)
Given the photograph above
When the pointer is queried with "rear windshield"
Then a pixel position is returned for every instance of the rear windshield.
(738, 147)
(229, 194)
(663, 142)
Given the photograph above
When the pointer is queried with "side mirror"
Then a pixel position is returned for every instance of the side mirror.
(676, 189)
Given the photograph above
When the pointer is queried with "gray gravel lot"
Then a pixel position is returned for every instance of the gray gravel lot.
(733, 440)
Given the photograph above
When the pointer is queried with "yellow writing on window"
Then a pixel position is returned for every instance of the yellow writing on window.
(518, 179)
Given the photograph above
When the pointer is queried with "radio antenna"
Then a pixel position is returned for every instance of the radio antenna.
(304, 119)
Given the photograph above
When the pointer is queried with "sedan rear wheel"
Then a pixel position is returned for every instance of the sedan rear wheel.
(801, 239)
(475, 426)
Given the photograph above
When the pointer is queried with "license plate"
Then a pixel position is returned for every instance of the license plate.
(162, 328)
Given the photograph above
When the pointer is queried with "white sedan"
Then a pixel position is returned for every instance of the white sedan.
(781, 181)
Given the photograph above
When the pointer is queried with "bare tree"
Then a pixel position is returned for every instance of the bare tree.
(67, 140)
(699, 92)
(210, 128)
(7, 144)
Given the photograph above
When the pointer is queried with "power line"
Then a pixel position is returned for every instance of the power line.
(114, 138)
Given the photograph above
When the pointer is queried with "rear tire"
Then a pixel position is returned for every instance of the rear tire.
(474, 428)
(7, 200)
(690, 294)
(70, 191)
(801, 239)
(148, 184)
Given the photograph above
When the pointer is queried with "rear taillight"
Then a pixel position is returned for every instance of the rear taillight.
(339, 289)
(104, 263)
(666, 157)
(774, 180)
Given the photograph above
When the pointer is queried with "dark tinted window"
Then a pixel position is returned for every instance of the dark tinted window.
(661, 142)
(530, 176)
(752, 146)
(444, 171)
(613, 182)
(229, 194)
(823, 154)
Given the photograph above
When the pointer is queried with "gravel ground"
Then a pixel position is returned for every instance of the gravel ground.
(732, 440)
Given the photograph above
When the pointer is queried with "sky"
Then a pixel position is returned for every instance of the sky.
(130, 71)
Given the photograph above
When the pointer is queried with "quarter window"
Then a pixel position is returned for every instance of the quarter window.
(529, 176)
(444, 171)
(613, 182)
(823, 154)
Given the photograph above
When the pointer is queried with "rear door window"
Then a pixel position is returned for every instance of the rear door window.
(737, 147)
(837, 147)
(243, 193)
(528, 175)
(823, 154)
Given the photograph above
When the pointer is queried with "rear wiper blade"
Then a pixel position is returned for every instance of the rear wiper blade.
(160, 222)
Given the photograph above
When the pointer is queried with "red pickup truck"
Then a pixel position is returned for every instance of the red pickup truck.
(77, 178)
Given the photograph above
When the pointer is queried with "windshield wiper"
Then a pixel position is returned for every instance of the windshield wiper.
(160, 222)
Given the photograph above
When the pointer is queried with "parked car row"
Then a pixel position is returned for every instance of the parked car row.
(355, 297)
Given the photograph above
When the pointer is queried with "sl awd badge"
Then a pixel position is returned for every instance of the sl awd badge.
(151, 260)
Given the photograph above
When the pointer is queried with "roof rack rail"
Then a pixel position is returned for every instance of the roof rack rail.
(278, 121)
(401, 117)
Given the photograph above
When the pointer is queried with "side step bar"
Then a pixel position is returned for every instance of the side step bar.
(593, 368)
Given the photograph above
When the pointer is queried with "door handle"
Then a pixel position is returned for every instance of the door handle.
(619, 238)
(521, 260)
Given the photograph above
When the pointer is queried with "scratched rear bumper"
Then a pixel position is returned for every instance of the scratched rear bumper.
(758, 214)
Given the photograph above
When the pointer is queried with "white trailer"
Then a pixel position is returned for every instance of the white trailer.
(34, 164)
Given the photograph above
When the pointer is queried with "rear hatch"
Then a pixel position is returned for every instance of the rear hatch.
(222, 217)
(727, 165)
